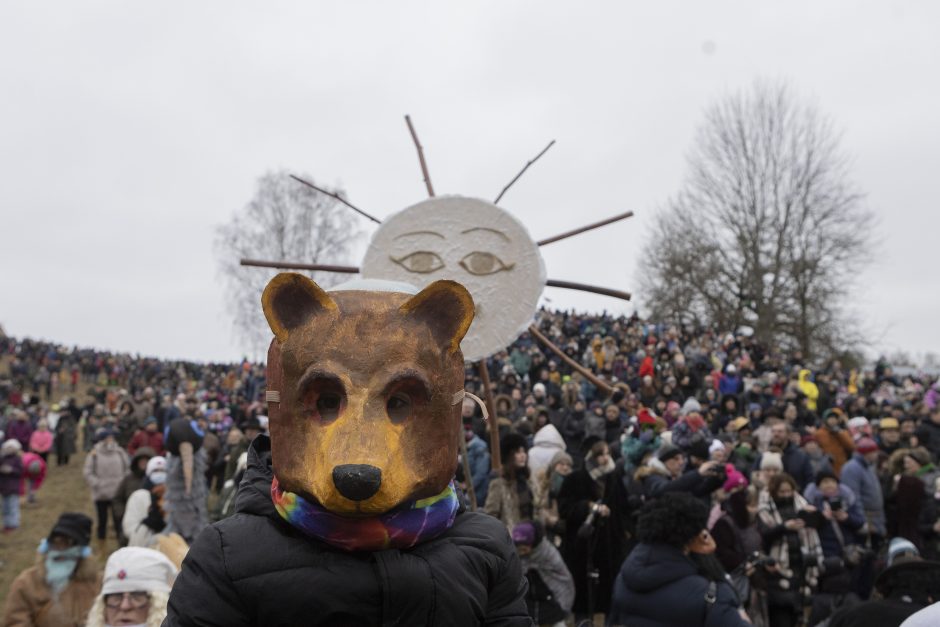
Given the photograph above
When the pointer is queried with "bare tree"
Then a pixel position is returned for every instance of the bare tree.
(284, 220)
(767, 230)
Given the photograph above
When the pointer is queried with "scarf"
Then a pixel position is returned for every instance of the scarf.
(597, 471)
(404, 527)
(809, 544)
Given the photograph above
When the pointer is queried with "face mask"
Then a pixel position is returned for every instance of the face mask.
(784, 502)
(557, 480)
(157, 477)
(60, 565)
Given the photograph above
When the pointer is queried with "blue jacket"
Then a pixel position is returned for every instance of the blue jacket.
(859, 477)
(658, 586)
(849, 527)
(478, 456)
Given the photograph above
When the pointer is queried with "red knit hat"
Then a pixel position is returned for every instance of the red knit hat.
(644, 417)
(866, 445)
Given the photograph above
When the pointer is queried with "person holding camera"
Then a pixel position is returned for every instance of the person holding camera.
(842, 513)
(788, 524)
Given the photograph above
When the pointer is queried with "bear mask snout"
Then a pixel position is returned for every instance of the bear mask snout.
(357, 482)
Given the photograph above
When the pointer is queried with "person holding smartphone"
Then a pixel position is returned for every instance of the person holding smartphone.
(787, 523)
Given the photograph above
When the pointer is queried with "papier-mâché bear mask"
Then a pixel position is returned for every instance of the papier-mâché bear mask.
(367, 418)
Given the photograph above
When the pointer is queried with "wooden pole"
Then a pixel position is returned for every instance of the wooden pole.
(289, 265)
(595, 225)
(424, 166)
(468, 478)
(495, 462)
(605, 291)
(568, 360)
(337, 197)
(521, 172)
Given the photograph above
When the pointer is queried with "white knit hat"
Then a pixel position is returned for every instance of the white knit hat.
(770, 461)
(135, 568)
(10, 446)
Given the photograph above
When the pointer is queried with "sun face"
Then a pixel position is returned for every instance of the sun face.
(475, 243)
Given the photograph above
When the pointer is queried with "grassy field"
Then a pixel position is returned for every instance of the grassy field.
(64, 490)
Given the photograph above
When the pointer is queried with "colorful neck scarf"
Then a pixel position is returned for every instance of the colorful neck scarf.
(401, 528)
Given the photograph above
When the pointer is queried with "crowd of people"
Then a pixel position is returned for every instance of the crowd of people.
(696, 477)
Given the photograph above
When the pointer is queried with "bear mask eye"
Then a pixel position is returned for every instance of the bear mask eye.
(398, 407)
(324, 399)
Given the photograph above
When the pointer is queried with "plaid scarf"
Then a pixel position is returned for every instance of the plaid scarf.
(404, 527)
(780, 551)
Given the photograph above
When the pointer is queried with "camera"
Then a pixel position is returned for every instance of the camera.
(835, 503)
(756, 560)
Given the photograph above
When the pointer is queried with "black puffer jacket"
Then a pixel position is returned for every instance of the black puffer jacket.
(255, 569)
(659, 586)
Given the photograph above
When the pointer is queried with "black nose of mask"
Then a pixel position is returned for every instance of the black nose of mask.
(357, 482)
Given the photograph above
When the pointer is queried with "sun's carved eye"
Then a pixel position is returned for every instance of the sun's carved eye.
(420, 262)
(481, 263)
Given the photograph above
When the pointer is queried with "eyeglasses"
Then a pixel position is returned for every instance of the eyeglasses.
(137, 599)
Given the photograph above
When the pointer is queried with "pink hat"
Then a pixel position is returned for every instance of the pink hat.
(735, 479)
(866, 445)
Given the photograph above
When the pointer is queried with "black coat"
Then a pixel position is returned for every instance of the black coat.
(658, 586)
(255, 569)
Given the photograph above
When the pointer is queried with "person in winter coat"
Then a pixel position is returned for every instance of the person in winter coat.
(796, 462)
(135, 590)
(841, 510)
(787, 523)
(65, 432)
(547, 488)
(148, 437)
(809, 389)
(20, 429)
(511, 496)
(478, 456)
(105, 467)
(595, 507)
(671, 578)
(928, 433)
(860, 476)
(664, 473)
(11, 473)
(130, 483)
(59, 590)
(545, 445)
(228, 575)
(551, 588)
(144, 517)
(40, 442)
(834, 438)
(34, 473)
(907, 586)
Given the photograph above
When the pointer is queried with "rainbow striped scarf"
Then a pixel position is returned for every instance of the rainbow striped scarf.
(405, 526)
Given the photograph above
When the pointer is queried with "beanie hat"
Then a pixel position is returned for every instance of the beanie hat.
(524, 533)
(771, 461)
(807, 438)
(866, 445)
(899, 546)
(824, 474)
(10, 447)
(73, 525)
(667, 452)
(151, 420)
(715, 446)
(735, 479)
(135, 568)
(858, 422)
(644, 417)
(538, 389)
(889, 423)
(699, 448)
(156, 470)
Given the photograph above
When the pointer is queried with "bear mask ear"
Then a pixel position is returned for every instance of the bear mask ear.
(289, 300)
(444, 306)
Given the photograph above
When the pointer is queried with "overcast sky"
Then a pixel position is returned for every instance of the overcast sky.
(128, 131)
